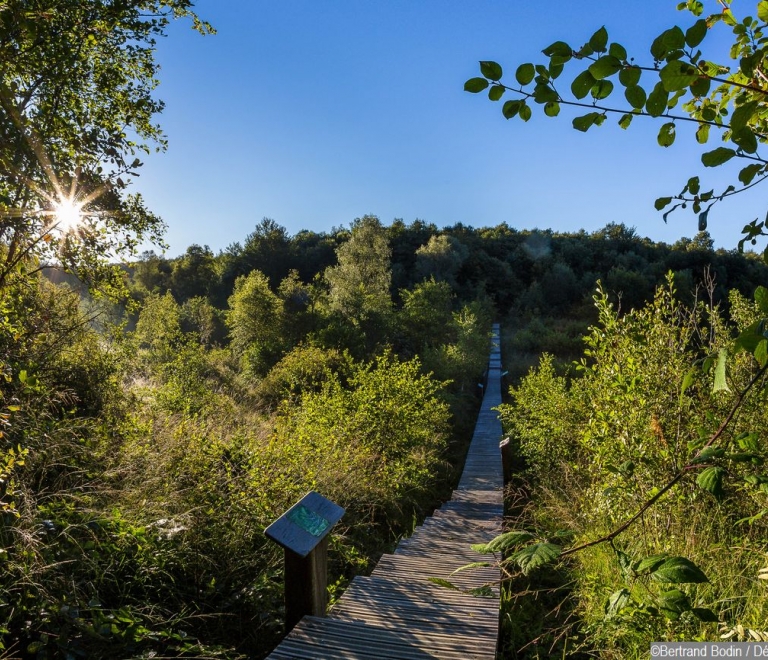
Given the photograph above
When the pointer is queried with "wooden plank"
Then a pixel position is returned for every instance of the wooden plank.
(397, 613)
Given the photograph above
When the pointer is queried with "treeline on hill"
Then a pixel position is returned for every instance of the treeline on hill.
(143, 456)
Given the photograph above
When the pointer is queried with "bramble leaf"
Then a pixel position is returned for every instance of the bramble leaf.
(536, 555)
(679, 570)
(711, 480)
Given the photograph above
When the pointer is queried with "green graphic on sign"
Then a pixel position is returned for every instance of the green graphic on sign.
(308, 520)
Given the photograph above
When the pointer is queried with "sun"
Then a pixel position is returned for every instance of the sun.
(68, 214)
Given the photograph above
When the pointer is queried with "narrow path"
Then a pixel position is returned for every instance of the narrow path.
(396, 612)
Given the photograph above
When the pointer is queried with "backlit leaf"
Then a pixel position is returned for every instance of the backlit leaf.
(511, 108)
(749, 172)
(629, 76)
(582, 84)
(636, 96)
(443, 583)
(616, 602)
(475, 85)
(717, 156)
(762, 10)
(525, 111)
(525, 73)
(656, 104)
(584, 122)
(666, 135)
(711, 480)
(491, 70)
(559, 49)
(677, 75)
(604, 67)
(602, 89)
(625, 121)
(702, 133)
(761, 298)
(536, 555)
(661, 202)
(720, 383)
(496, 92)
(679, 570)
(695, 34)
(552, 109)
(599, 40)
(745, 139)
(673, 603)
(503, 541)
(618, 51)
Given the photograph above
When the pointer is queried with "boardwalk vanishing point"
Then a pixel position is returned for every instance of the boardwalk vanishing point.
(397, 612)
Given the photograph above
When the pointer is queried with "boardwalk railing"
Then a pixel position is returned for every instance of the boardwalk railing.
(397, 612)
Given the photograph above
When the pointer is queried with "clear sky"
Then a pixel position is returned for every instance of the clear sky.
(313, 113)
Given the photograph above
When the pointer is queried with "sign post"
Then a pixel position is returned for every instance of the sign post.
(303, 531)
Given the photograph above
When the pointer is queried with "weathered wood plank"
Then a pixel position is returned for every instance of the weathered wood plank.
(397, 613)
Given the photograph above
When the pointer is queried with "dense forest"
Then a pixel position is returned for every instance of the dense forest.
(148, 444)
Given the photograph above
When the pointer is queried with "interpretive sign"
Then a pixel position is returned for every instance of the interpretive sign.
(303, 531)
(302, 527)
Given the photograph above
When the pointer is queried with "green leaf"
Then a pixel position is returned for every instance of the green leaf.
(761, 352)
(602, 89)
(678, 75)
(743, 114)
(443, 583)
(666, 135)
(708, 454)
(695, 34)
(584, 122)
(604, 67)
(673, 603)
(496, 92)
(745, 139)
(625, 121)
(702, 133)
(750, 172)
(720, 383)
(688, 380)
(650, 564)
(629, 76)
(616, 602)
(704, 614)
(475, 85)
(661, 202)
(511, 108)
(761, 298)
(525, 112)
(700, 86)
(636, 96)
(618, 51)
(470, 566)
(552, 109)
(657, 100)
(711, 480)
(503, 541)
(544, 94)
(536, 555)
(599, 40)
(717, 156)
(525, 73)
(582, 84)
(490, 70)
(558, 49)
(679, 570)
(762, 10)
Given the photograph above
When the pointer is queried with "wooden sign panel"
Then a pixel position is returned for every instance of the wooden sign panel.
(305, 524)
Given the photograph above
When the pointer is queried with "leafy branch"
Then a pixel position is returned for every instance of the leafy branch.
(736, 103)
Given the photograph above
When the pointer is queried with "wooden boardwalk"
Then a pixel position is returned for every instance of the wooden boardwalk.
(396, 612)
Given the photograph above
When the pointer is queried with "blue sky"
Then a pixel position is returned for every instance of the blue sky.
(313, 113)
